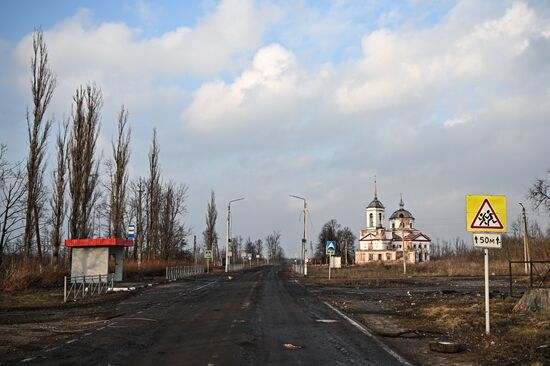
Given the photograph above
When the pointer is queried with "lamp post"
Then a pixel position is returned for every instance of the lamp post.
(304, 239)
(228, 233)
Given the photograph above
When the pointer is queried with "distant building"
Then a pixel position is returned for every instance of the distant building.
(376, 243)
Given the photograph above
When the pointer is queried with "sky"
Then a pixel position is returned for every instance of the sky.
(266, 99)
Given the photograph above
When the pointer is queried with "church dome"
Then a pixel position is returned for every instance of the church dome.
(401, 213)
(375, 204)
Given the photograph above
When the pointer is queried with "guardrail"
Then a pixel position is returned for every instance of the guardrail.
(77, 287)
(176, 273)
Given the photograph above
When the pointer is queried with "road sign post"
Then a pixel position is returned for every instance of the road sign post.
(208, 256)
(131, 231)
(486, 218)
(330, 249)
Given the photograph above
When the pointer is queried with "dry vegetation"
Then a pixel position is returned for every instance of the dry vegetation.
(32, 284)
(427, 304)
(516, 338)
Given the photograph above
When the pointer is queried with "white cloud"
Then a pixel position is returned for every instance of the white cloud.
(435, 111)
(457, 120)
(430, 107)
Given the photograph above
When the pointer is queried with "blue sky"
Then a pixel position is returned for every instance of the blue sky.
(264, 99)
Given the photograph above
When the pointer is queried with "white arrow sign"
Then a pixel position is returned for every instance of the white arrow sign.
(487, 240)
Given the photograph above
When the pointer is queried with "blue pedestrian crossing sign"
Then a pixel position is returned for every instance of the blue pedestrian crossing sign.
(331, 247)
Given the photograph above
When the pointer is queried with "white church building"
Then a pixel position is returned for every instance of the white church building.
(380, 244)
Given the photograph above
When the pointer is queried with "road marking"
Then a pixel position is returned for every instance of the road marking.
(326, 321)
(144, 319)
(365, 331)
(208, 284)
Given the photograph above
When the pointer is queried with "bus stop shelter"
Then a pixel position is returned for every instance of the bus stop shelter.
(90, 257)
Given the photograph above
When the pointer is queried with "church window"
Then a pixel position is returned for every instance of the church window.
(371, 220)
(393, 225)
(411, 225)
(370, 257)
(380, 219)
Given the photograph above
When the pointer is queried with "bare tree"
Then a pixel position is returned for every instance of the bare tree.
(329, 231)
(138, 191)
(119, 175)
(12, 205)
(345, 243)
(3, 164)
(209, 234)
(259, 246)
(173, 233)
(153, 199)
(42, 87)
(59, 183)
(539, 193)
(250, 247)
(83, 166)
(274, 250)
(236, 247)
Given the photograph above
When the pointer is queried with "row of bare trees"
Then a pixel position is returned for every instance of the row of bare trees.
(93, 198)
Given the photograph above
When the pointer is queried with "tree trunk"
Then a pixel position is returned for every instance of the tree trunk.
(535, 300)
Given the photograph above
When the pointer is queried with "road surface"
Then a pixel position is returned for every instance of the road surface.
(246, 320)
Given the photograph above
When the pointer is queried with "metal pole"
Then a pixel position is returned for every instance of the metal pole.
(525, 238)
(65, 289)
(487, 321)
(305, 238)
(510, 275)
(227, 238)
(329, 264)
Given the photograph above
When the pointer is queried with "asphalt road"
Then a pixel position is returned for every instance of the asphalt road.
(246, 320)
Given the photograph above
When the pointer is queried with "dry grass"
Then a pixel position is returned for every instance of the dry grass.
(516, 338)
(372, 274)
(149, 268)
(21, 274)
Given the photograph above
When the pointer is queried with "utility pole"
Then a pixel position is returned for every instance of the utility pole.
(526, 253)
(194, 249)
(304, 239)
(228, 233)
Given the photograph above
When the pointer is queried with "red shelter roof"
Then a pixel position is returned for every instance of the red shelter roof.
(100, 242)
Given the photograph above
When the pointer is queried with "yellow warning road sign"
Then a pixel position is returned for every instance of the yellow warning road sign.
(486, 213)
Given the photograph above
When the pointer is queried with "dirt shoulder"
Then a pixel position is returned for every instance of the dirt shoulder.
(409, 312)
(33, 319)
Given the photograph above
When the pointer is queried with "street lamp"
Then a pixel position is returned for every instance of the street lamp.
(304, 239)
(228, 232)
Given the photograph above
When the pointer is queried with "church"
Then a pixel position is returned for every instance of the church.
(380, 244)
